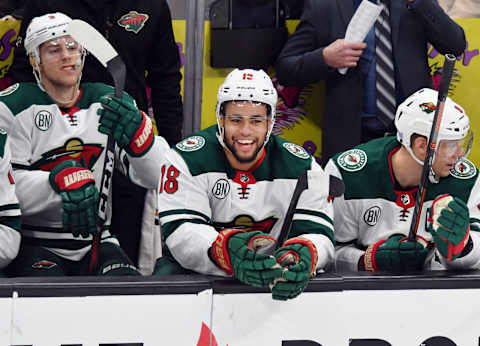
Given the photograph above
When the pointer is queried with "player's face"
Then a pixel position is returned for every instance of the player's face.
(60, 62)
(447, 154)
(246, 125)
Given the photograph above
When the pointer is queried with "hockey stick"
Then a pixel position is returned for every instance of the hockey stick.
(87, 36)
(318, 181)
(447, 73)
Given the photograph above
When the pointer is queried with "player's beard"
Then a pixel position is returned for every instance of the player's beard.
(240, 159)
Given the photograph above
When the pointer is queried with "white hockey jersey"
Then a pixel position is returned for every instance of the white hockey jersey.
(43, 135)
(10, 218)
(374, 208)
(200, 193)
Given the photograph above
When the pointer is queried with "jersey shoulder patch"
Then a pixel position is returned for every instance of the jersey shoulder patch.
(463, 169)
(10, 90)
(296, 150)
(192, 143)
(352, 160)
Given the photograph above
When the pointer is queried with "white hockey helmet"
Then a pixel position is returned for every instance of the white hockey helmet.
(247, 85)
(415, 116)
(44, 28)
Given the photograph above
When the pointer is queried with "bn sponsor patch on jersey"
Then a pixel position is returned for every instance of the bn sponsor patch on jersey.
(191, 144)
(296, 150)
(463, 169)
(352, 160)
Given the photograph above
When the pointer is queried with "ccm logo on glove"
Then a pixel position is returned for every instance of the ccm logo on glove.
(143, 137)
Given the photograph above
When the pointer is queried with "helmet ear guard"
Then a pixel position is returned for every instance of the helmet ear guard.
(246, 85)
(415, 116)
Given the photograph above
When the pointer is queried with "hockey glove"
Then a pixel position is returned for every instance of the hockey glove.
(76, 186)
(131, 129)
(234, 252)
(449, 223)
(396, 254)
(298, 258)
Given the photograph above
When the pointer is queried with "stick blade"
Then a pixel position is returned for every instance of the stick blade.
(92, 41)
(325, 184)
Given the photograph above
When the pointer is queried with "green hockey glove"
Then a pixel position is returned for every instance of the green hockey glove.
(449, 223)
(396, 254)
(76, 186)
(234, 251)
(298, 258)
(131, 128)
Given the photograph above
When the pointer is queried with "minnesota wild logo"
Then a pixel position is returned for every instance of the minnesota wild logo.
(133, 21)
(246, 222)
(352, 160)
(463, 169)
(73, 149)
(428, 107)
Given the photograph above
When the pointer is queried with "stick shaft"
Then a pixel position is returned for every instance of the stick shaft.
(447, 73)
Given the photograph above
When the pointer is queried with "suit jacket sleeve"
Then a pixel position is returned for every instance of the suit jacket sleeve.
(441, 31)
(301, 60)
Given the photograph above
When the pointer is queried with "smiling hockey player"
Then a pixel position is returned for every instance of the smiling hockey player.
(373, 218)
(227, 188)
(58, 148)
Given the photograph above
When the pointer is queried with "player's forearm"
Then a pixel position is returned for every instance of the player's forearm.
(145, 170)
(325, 249)
(347, 257)
(35, 193)
(189, 245)
(10, 240)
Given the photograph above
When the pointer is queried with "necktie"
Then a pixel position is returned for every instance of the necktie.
(385, 83)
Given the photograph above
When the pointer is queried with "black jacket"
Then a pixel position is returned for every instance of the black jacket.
(301, 61)
(151, 48)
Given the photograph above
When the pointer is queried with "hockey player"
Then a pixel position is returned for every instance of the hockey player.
(10, 218)
(373, 218)
(58, 142)
(224, 191)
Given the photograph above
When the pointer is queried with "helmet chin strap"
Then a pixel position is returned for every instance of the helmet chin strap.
(38, 78)
(432, 177)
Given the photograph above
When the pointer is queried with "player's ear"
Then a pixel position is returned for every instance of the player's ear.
(419, 146)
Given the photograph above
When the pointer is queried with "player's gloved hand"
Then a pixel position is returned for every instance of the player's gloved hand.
(234, 251)
(449, 223)
(396, 254)
(76, 186)
(131, 128)
(298, 258)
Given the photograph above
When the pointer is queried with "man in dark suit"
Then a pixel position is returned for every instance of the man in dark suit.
(317, 50)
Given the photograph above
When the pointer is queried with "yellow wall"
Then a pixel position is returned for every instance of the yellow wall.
(301, 124)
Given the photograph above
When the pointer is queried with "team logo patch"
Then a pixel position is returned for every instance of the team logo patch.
(296, 150)
(372, 215)
(352, 160)
(191, 144)
(73, 149)
(10, 90)
(221, 188)
(43, 120)
(133, 21)
(463, 169)
(427, 107)
(43, 264)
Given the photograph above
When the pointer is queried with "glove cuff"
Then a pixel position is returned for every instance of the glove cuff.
(369, 258)
(220, 249)
(453, 251)
(311, 246)
(143, 138)
(71, 178)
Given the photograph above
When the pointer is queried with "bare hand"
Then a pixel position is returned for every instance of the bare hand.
(340, 53)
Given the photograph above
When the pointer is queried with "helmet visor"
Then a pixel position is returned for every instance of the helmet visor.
(458, 147)
(59, 49)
